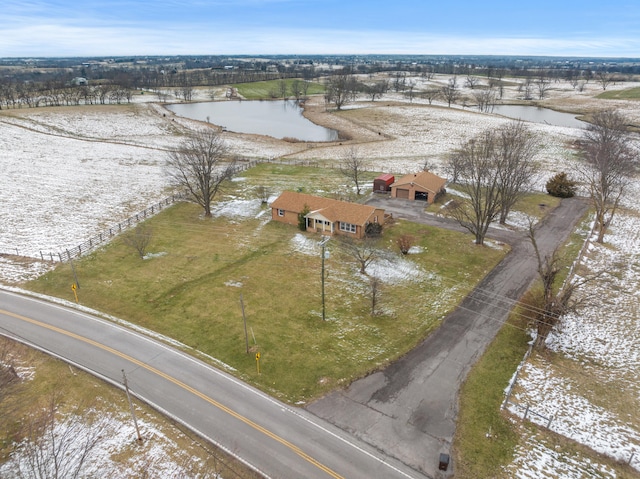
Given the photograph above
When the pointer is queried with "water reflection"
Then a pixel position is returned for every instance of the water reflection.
(279, 119)
(539, 115)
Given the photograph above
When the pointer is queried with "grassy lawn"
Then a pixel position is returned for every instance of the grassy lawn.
(267, 89)
(191, 292)
(626, 94)
(485, 438)
(536, 205)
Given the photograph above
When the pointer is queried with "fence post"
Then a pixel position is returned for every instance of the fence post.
(631, 458)
(526, 412)
(41, 255)
(549, 422)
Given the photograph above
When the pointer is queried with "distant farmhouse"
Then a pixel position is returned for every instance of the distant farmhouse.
(326, 216)
(423, 186)
(79, 81)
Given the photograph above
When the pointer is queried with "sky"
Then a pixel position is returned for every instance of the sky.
(61, 28)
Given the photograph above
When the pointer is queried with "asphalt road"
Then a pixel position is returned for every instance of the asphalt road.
(409, 409)
(275, 439)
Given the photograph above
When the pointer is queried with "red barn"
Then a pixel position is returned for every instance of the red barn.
(382, 184)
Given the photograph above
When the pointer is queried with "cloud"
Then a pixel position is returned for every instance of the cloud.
(167, 27)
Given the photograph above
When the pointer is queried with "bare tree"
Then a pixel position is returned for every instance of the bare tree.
(486, 99)
(376, 285)
(609, 166)
(604, 78)
(340, 89)
(450, 92)
(550, 305)
(498, 86)
(200, 165)
(363, 251)
(282, 88)
(296, 88)
(400, 81)
(472, 81)
(428, 73)
(453, 166)
(378, 89)
(516, 147)
(543, 84)
(8, 374)
(430, 94)
(263, 193)
(58, 449)
(525, 87)
(410, 93)
(477, 170)
(138, 238)
(353, 166)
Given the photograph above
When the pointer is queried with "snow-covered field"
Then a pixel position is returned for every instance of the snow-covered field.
(68, 173)
(592, 394)
(114, 436)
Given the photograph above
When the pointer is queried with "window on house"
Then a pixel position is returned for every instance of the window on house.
(280, 212)
(347, 227)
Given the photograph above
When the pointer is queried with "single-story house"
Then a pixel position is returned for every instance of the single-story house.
(382, 184)
(326, 215)
(423, 186)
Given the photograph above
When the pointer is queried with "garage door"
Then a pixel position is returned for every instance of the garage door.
(422, 195)
(402, 194)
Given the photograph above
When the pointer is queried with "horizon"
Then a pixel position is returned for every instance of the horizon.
(326, 55)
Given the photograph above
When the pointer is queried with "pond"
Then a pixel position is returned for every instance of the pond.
(539, 115)
(278, 118)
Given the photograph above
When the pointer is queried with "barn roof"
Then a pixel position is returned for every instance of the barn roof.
(385, 177)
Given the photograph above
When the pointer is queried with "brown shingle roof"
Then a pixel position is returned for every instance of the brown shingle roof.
(333, 210)
(424, 179)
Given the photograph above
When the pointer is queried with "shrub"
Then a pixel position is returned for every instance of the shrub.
(373, 230)
(405, 242)
(302, 218)
(561, 186)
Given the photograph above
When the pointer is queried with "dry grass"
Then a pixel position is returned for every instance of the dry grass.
(192, 294)
(76, 391)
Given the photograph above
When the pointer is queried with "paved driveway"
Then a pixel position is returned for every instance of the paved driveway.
(409, 409)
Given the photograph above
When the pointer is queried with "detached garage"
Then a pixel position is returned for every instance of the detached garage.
(423, 186)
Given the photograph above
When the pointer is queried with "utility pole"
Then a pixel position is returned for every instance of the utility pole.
(133, 414)
(322, 245)
(244, 318)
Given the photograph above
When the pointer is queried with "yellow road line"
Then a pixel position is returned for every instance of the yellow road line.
(184, 386)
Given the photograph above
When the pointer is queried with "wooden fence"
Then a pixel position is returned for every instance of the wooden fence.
(242, 164)
(106, 235)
